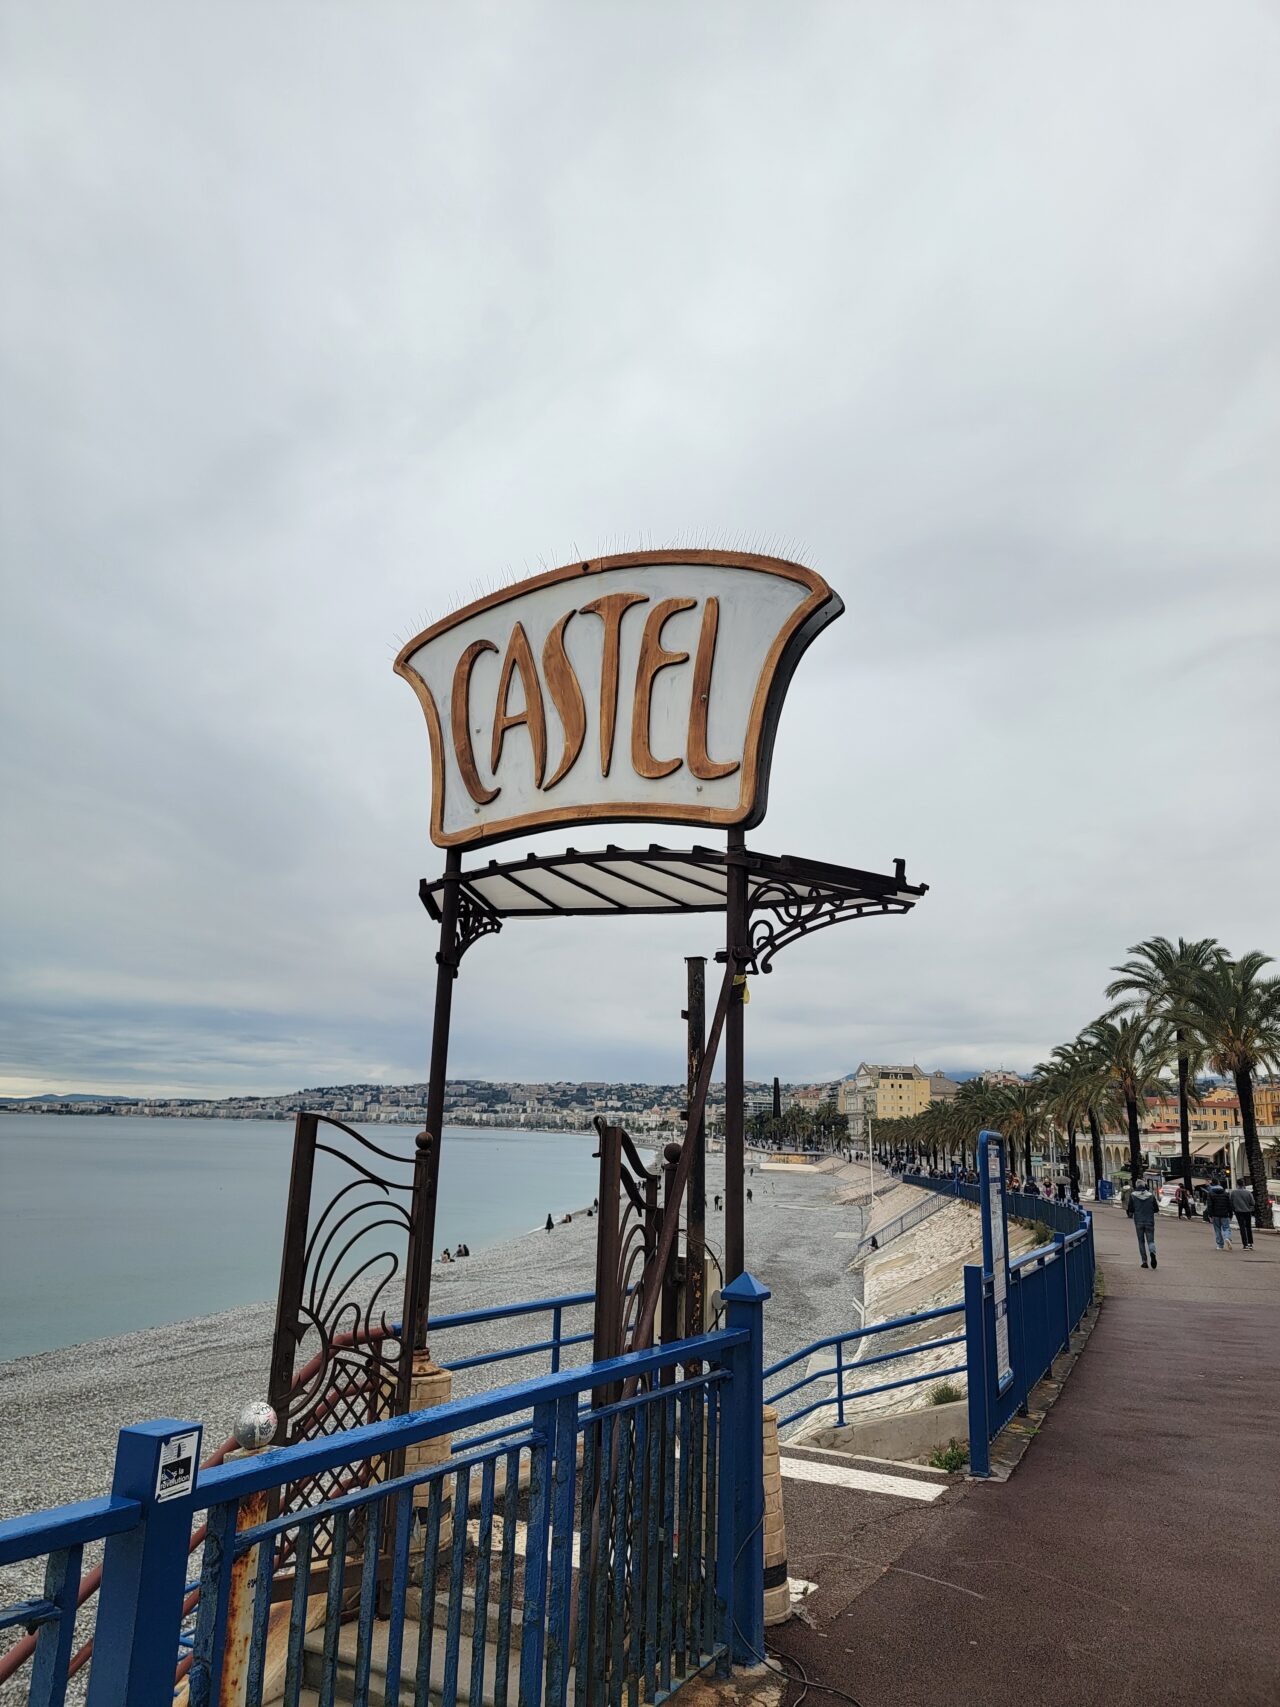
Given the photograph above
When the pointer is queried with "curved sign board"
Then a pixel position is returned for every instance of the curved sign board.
(641, 686)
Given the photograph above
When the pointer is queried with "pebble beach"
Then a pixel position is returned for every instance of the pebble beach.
(60, 1410)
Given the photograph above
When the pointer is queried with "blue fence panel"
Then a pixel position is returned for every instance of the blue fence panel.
(1050, 1289)
(625, 1535)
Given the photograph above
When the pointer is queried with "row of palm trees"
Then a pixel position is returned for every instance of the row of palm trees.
(1183, 1004)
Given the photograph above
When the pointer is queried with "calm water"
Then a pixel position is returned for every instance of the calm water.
(109, 1224)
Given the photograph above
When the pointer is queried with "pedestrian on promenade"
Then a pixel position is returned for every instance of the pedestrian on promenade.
(1244, 1206)
(1218, 1213)
(1185, 1201)
(1141, 1209)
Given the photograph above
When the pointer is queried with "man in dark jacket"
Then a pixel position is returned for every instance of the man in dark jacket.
(1141, 1208)
(1244, 1206)
(1218, 1209)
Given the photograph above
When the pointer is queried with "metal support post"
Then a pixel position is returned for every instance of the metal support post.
(744, 1300)
(144, 1570)
(975, 1333)
(1060, 1240)
(695, 1242)
(736, 928)
(427, 1174)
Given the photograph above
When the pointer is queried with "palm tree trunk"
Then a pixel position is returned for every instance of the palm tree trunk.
(1135, 1137)
(1073, 1162)
(1184, 1114)
(1095, 1139)
(1252, 1148)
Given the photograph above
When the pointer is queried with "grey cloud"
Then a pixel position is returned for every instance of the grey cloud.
(320, 316)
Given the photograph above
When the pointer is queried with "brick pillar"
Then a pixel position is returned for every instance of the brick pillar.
(777, 1593)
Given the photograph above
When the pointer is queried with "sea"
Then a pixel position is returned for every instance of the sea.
(113, 1223)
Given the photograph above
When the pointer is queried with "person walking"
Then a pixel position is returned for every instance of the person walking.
(1242, 1202)
(1218, 1214)
(1141, 1209)
(1185, 1201)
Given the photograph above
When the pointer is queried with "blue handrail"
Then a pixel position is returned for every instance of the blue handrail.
(842, 1396)
(373, 1440)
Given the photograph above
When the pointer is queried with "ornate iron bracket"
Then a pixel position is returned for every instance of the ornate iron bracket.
(474, 921)
(783, 913)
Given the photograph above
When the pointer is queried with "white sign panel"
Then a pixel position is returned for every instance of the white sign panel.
(633, 687)
(177, 1470)
(999, 1262)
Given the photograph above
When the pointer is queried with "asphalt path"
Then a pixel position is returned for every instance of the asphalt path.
(1134, 1555)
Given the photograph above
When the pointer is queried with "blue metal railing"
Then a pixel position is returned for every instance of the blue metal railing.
(1059, 1217)
(1050, 1288)
(554, 1307)
(844, 1366)
(1049, 1291)
(629, 1534)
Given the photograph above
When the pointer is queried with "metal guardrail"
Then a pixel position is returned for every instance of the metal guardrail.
(901, 1223)
(75, 1587)
(842, 1366)
(1050, 1289)
(637, 1557)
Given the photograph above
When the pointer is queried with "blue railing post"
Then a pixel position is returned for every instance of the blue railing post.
(975, 1333)
(144, 1570)
(1060, 1240)
(745, 1298)
(533, 1627)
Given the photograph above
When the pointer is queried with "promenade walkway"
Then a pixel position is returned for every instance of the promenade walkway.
(1134, 1555)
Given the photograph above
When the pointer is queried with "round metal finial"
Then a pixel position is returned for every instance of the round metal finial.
(256, 1425)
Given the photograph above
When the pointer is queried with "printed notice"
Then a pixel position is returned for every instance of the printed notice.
(177, 1474)
(999, 1263)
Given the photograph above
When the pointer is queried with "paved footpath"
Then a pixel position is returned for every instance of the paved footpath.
(1134, 1555)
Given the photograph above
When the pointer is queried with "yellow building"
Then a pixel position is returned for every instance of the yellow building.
(1266, 1103)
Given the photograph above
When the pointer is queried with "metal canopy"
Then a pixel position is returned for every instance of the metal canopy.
(787, 897)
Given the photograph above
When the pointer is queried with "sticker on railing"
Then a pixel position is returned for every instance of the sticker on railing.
(177, 1472)
(995, 1247)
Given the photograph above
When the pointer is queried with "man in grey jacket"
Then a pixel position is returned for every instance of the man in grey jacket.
(1243, 1205)
(1141, 1209)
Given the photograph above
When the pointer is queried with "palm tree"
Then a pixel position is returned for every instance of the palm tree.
(1019, 1111)
(1133, 1052)
(1236, 1016)
(1084, 1093)
(1157, 982)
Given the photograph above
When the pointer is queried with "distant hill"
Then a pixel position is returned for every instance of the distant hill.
(71, 1096)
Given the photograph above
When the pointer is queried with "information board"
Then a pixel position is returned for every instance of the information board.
(995, 1246)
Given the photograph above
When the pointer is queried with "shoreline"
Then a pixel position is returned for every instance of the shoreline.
(60, 1410)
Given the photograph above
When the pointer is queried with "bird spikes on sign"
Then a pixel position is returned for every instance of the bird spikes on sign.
(641, 686)
(694, 539)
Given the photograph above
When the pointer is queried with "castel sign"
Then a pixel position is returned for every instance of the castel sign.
(643, 686)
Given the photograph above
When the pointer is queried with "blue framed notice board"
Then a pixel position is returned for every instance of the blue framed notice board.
(995, 1245)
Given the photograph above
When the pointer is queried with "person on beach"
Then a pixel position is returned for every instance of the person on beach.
(1141, 1209)
(1218, 1213)
(550, 1223)
(1243, 1204)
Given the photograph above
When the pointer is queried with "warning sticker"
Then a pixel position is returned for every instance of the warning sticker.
(177, 1474)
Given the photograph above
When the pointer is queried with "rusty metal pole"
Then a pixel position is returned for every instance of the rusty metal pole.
(427, 1173)
(669, 1325)
(695, 1242)
(735, 917)
(252, 1510)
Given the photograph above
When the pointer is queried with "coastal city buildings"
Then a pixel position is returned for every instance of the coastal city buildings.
(878, 1092)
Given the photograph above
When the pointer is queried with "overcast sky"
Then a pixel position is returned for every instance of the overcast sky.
(313, 317)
